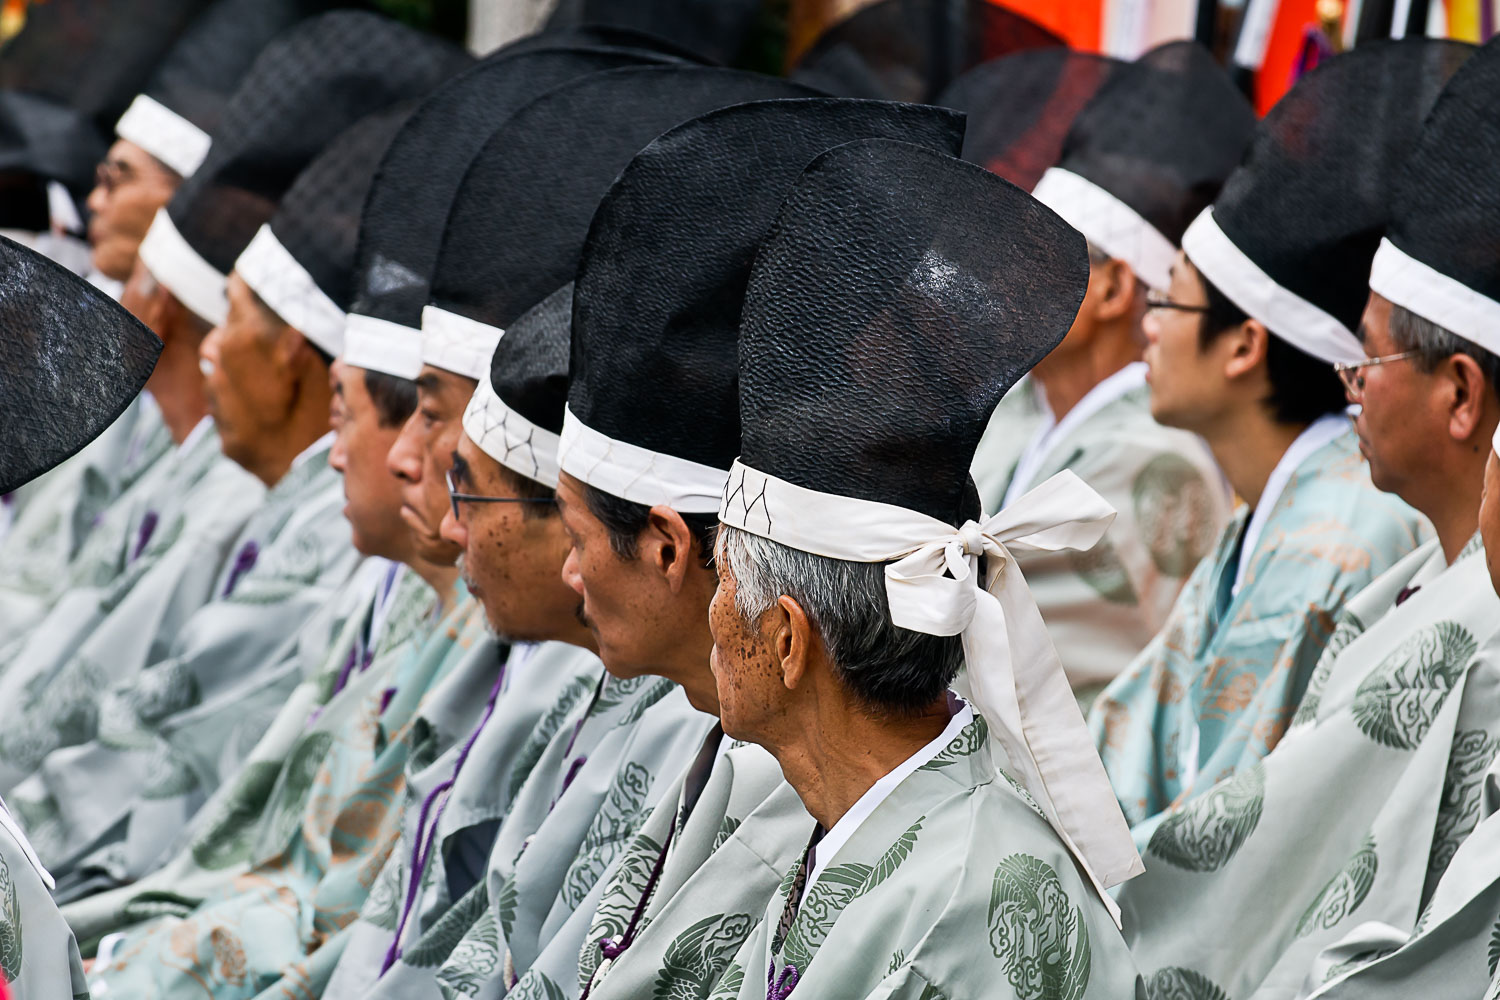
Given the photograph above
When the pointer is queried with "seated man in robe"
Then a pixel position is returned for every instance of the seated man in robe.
(713, 850)
(1263, 300)
(1131, 190)
(56, 397)
(617, 751)
(848, 602)
(1338, 840)
(177, 711)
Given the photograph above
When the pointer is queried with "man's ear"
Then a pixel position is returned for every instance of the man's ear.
(793, 640)
(1119, 286)
(1245, 346)
(668, 545)
(1467, 388)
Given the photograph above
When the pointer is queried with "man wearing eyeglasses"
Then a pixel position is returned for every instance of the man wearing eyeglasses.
(1310, 860)
(1130, 192)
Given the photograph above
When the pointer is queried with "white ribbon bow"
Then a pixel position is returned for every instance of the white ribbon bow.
(932, 588)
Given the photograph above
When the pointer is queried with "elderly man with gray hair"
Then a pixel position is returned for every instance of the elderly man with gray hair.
(963, 847)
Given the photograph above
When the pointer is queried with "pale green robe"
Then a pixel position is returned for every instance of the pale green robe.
(1353, 817)
(54, 515)
(1104, 605)
(586, 797)
(1012, 424)
(38, 955)
(953, 887)
(190, 698)
(278, 871)
(1216, 690)
(497, 749)
(694, 882)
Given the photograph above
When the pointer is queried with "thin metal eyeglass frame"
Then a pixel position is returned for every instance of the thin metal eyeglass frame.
(455, 497)
(1349, 372)
(1154, 301)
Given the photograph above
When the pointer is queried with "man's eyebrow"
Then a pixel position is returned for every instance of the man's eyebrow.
(427, 383)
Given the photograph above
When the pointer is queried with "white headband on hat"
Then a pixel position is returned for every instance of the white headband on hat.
(284, 284)
(509, 438)
(382, 346)
(1431, 294)
(1014, 677)
(1295, 320)
(1109, 224)
(164, 134)
(457, 343)
(174, 263)
(638, 474)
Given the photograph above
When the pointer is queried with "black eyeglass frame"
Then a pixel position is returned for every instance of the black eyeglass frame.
(1160, 301)
(455, 497)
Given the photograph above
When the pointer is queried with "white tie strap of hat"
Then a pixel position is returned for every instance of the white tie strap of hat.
(1014, 677)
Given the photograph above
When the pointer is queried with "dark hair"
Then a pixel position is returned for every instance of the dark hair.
(1303, 388)
(395, 398)
(1435, 344)
(529, 489)
(626, 519)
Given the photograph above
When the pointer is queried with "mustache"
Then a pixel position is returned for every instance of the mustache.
(583, 619)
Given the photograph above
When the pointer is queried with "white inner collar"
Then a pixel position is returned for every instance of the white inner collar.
(321, 444)
(1318, 435)
(833, 841)
(1052, 430)
(199, 431)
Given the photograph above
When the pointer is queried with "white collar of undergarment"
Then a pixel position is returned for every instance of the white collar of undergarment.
(1318, 435)
(385, 596)
(1052, 430)
(199, 431)
(834, 840)
(321, 444)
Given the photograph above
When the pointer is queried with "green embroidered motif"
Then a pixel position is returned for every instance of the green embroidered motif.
(727, 826)
(475, 961)
(1102, 569)
(1397, 703)
(1174, 508)
(1355, 962)
(1349, 628)
(547, 726)
(1177, 983)
(169, 774)
(227, 838)
(836, 888)
(965, 744)
(931, 992)
(697, 957)
(898, 959)
(659, 690)
(536, 986)
(729, 983)
(383, 907)
(627, 888)
(1470, 757)
(290, 796)
(1343, 893)
(128, 714)
(283, 572)
(1494, 951)
(10, 925)
(1206, 833)
(1039, 937)
(616, 691)
(439, 941)
(618, 819)
(505, 904)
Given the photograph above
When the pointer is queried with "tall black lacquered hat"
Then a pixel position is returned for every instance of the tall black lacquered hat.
(662, 281)
(71, 360)
(519, 220)
(404, 216)
(516, 414)
(899, 295)
(308, 85)
(1291, 238)
(712, 29)
(1020, 108)
(69, 74)
(911, 50)
(175, 116)
(301, 263)
(1440, 257)
(1148, 153)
